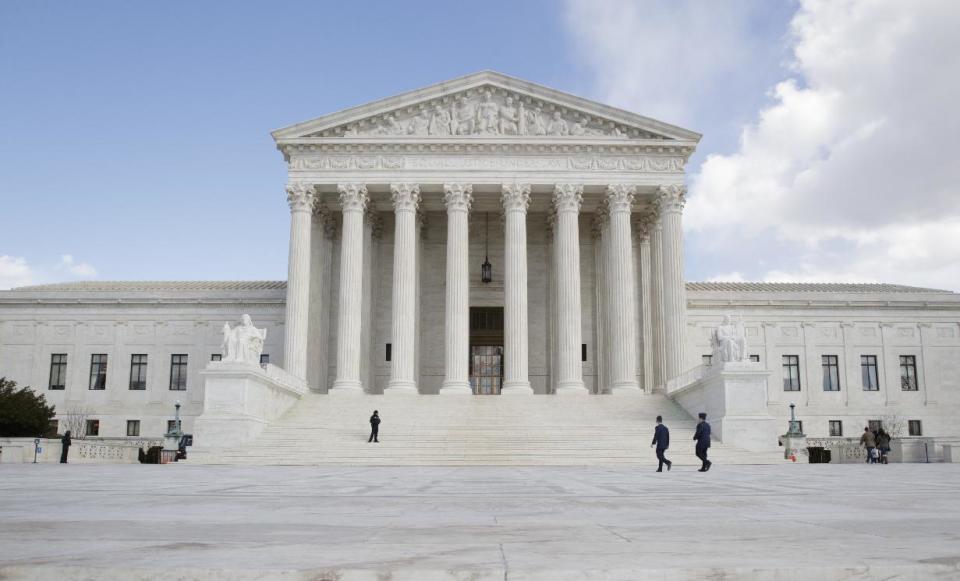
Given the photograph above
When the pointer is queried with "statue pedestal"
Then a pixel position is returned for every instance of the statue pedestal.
(240, 399)
(795, 445)
(734, 396)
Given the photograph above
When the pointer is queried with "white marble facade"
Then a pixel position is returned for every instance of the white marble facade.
(394, 205)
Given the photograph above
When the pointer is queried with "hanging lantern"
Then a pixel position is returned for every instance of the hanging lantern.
(486, 269)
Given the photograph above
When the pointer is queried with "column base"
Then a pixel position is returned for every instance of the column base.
(346, 387)
(456, 388)
(402, 387)
(571, 388)
(626, 388)
(516, 388)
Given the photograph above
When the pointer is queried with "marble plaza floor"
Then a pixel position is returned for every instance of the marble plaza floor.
(784, 522)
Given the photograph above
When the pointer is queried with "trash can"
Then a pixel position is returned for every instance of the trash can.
(815, 453)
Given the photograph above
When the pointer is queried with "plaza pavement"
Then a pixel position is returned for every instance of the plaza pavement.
(785, 522)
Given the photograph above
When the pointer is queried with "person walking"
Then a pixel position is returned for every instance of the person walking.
(65, 442)
(869, 441)
(883, 444)
(702, 436)
(661, 439)
(374, 427)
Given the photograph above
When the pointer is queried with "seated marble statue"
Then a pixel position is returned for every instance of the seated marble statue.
(243, 343)
(729, 341)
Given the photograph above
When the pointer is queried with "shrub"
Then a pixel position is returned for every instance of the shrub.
(23, 412)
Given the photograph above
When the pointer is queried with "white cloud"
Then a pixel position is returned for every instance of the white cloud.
(14, 271)
(76, 269)
(850, 172)
(734, 276)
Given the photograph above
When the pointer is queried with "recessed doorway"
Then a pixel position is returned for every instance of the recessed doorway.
(486, 350)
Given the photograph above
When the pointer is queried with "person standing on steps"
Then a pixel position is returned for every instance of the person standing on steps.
(661, 439)
(702, 436)
(374, 427)
(65, 442)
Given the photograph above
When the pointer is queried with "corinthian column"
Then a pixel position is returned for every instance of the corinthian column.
(406, 198)
(623, 331)
(656, 297)
(644, 228)
(353, 202)
(567, 199)
(516, 199)
(300, 198)
(458, 198)
(671, 200)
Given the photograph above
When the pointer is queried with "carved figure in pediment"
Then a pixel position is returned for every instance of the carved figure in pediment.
(557, 125)
(577, 129)
(392, 126)
(488, 115)
(420, 125)
(464, 117)
(509, 120)
(440, 122)
(535, 124)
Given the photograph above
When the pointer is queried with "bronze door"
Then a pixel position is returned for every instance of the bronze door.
(486, 369)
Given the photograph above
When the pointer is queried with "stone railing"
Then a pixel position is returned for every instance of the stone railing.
(687, 378)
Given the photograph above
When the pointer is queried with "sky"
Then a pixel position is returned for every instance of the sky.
(135, 137)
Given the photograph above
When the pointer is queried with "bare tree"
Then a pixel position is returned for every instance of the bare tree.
(893, 424)
(75, 419)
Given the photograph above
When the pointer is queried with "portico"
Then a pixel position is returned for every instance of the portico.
(395, 205)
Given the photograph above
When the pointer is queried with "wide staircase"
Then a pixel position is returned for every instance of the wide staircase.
(433, 430)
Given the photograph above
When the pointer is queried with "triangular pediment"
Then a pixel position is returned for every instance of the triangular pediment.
(486, 105)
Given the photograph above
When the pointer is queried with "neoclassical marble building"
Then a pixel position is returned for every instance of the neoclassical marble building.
(488, 235)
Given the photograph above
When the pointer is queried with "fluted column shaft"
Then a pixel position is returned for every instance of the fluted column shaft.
(300, 197)
(515, 199)
(458, 198)
(656, 300)
(406, 199)
(623, 331)
(567, 199)
(353, 201)
(674, 292)
(646, 306)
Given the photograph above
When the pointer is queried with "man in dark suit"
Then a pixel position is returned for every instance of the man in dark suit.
(702, 436)
(661, 439)
(374, 427)
(65, 443)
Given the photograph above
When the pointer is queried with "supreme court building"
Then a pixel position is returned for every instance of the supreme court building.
(489, 236)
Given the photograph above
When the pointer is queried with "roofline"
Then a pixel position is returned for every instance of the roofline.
(471, 81)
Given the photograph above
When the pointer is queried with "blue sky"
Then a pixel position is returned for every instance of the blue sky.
(136, 136)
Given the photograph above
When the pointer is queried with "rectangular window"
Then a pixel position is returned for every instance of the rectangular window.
(389, 353)
(583, 352)
(875, 425)
(98, 371)
(706, 359)
(831, 373)
(908, 373)
(58, 371)
(93, 428)
(133, 427)
(755, 358)
(791, 373)
(264, 359)
(171, 425)
(138, 371)
(868, 369)
(914, 428)
(178, 372)
(216, 356)
(836, 428)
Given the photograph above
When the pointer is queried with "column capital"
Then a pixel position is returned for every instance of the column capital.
(353, 197)
(515, 197)
(567, 197)
(671, 198)
(406, 197)
(620, 197)
(458, 197)
(300, 196)
(645, 225)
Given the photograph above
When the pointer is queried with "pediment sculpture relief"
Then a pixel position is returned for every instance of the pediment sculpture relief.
(486, 112)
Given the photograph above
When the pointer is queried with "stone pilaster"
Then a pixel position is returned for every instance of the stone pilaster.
(567, 199)
(458, 198)
(671, 200)
(656, 298)
(406, 200)
(353, 203)
(623, 332)
(516, 199)
(645, 226)
(300, 197)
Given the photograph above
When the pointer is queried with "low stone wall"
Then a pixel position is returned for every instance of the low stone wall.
(85, 451)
